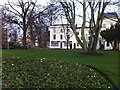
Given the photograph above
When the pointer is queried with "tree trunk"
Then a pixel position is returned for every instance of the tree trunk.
(83, 27)
(24, 39)
(67, 43)
(40, 41)
(32, 37)
(115, 43)
(118, 45)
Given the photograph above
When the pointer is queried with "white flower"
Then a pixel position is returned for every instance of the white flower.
(108, 86)
(91, 69)
(12, 64)
(44, 58)
(4, 61)
(48, 74)
(80, 65)
(41, 59)
(92, 76)
(17, 57)
(61, 66)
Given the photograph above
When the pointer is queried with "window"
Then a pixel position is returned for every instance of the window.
(104, 25)
(77, 33)
(61, 30)
(107, 44)
(61, 36)
(68, 30)
(65, 43)
(54, 43)
(54, 37)
(68, 36)
(54, 30)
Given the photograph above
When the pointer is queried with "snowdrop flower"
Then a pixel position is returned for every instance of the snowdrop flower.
(61, 66)
(44, 58)
(48, 74)
(17, 57)
(41, 59)
(80, 65)
(12, 64)
(4, 61)
(92, 76)
(91, 69)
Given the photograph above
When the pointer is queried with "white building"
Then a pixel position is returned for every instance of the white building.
(58, 35)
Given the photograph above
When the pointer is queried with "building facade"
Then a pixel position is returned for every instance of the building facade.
(60, 34)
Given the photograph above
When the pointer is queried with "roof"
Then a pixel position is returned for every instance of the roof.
(110, 14)
(59, 25)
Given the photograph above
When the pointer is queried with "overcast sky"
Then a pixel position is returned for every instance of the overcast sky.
(42, 2)
(78, 21)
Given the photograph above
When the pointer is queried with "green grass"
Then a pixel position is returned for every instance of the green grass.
(106, 62)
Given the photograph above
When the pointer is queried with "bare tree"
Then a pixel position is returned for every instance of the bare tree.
(95, 25)
(52, 12)
(22, 21)
(8, 27)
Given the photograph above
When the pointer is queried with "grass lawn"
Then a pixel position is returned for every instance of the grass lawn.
(106, 62)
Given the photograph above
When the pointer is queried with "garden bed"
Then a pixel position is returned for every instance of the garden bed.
(42, 73)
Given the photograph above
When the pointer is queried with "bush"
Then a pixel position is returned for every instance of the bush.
(12, 45)
(17, 46)
(4, 45)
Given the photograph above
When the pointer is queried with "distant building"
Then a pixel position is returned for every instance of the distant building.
(4, 39)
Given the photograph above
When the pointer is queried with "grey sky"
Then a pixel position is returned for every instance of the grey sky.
(42, 2)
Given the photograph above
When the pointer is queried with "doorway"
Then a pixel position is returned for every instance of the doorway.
(74, 46)
(61, 45)
(70, 46)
